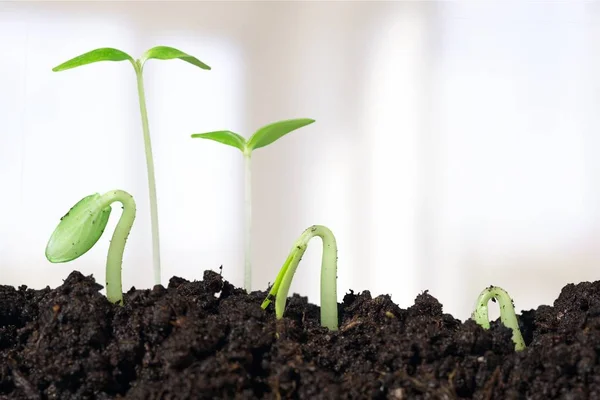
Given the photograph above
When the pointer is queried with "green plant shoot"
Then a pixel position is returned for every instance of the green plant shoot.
(261, 138)
(160, 53)
(507, 313)
(80, 229)
(281, 286)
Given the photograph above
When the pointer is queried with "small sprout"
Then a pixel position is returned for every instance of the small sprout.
(159, 53)
(281, 286)
(261, 138)
(507, 313)
(80, 229)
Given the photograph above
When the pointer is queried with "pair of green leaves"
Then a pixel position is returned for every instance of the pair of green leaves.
(261, 138)
(110, 54)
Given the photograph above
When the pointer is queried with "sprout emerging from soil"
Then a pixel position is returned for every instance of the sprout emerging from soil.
(261, 138)
(80, 229)
(159, 53)
(507, 313)
(281, 287)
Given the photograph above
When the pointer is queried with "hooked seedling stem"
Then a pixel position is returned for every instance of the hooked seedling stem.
(507, 313)
(281, 286)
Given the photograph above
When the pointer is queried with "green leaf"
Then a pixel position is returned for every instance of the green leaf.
(78, 231)
(275, 288)
(169, 53)
(270, 133)
(225, 137)
(102, 54)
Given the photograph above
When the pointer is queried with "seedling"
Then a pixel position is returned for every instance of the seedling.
(507, 313)
(261, 138)
(281, 287)
(80, 229)
(160, 53)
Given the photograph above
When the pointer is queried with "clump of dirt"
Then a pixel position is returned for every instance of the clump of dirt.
(210, 340)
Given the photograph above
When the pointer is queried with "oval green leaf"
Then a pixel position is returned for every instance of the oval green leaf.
(102, 54)
(226, 137)
(270, 133)
(78, 230)
(169, 53)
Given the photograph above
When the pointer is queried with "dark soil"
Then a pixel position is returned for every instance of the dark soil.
(210, 340)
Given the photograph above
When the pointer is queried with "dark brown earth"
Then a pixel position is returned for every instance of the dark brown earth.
(209, 340)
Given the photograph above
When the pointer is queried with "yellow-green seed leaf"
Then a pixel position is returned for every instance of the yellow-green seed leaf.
(102, 54)
(226, 137)
(78, 231)
(270, 133)
(169, 53)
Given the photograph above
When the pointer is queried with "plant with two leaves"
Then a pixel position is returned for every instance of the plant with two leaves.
(81, 227)
(261, 138)
(281, 286)
(160, 53)
(507, 313)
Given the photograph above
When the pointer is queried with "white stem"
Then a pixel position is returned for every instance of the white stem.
(248, 220)
(151, 179)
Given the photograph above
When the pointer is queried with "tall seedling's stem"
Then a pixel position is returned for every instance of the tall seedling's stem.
(507, 313)
(281, 287)
(150, 167)
(248, 214)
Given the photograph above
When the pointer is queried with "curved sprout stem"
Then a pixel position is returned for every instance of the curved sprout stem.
(114, 260)
(281, 286)
(507, 313)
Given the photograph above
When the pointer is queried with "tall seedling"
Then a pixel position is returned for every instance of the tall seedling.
(160, 53)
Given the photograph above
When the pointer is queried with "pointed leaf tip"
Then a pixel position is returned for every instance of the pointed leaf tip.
(101, 54)
(272, 132)
(170, 53)
(226, 137)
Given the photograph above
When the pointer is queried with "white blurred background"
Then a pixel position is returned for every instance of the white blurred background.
(456, 143)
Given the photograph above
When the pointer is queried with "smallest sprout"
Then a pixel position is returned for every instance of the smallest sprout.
(281, 287)
(507, 313)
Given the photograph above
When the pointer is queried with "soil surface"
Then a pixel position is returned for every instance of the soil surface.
(210, 340)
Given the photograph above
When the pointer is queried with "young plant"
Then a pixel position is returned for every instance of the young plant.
(281, 287)
(261, 138)
(160, 53)
(507, 313)
(81, 227)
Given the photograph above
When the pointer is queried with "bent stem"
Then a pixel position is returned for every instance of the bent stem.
(248, 219)
(138, 66)
(507, 313)
(281, 286)
(114, 260)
